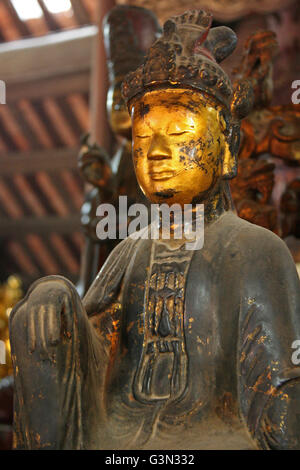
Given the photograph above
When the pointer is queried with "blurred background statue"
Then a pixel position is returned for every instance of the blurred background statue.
(266, 189)
(270, 139)
(128, 34)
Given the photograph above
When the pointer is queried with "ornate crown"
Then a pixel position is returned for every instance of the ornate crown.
(128, 34)
(187, 54)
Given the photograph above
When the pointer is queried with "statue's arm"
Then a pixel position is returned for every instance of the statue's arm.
(105, 293)
(59, 359)
(49, 311)
(103, 302)
(269, 379)
(279, 427)
(54, 352)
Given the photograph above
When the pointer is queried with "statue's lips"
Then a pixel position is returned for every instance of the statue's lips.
(162, 175)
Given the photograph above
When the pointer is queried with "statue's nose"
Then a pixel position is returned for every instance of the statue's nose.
(159, 148)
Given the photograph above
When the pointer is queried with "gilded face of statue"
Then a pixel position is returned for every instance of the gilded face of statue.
(178, 145)
(119, 117)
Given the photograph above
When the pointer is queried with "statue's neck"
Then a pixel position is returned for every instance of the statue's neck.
(217, 202)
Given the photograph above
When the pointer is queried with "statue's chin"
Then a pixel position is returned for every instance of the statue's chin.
(171, 196)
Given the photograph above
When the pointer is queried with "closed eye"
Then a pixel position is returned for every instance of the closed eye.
(143, 136)
(178, 133)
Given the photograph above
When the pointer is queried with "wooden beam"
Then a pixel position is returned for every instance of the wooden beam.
(51, 22)
(80, 12)
(52, 55)
(49, 64)
(77, 82)
(41, 160)
(20, 25)
(18, 228)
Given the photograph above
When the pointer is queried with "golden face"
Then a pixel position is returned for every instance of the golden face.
(119, 117)
(178, 145)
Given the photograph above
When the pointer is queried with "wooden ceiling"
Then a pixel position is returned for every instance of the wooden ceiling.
(222, 10)
(12, 27)
(41, 191)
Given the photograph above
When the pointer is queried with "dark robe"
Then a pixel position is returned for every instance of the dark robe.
(188, 350)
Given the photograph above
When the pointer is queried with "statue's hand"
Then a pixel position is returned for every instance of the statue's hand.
(94, 165)
(50, 316)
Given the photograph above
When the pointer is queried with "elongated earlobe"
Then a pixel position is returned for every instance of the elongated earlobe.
(229, 163)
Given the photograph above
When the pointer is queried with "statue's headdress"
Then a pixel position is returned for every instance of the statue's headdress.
(128, 34)
(188, 55)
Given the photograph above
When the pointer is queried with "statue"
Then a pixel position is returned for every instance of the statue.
(128, 32)
(170, 348)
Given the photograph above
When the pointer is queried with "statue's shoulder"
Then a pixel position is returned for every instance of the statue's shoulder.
(107, 283)
(252, 239)
(255, 257)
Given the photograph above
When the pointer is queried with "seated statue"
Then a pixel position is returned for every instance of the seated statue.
(171, 348)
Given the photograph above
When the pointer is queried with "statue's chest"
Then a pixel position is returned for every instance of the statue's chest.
(162, 370)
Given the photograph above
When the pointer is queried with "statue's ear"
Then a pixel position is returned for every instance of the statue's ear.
(231, 147)
(241, 105)
(229, 163)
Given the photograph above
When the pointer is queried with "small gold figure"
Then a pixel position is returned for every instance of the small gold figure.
(10, 294)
